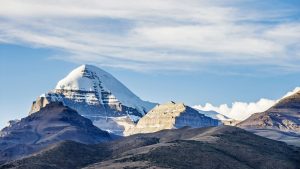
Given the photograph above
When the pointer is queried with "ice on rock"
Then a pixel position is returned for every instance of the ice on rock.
(97, 95)
(108, 89)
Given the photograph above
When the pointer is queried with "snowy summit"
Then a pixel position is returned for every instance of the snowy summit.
(108, 89)
(99, 96)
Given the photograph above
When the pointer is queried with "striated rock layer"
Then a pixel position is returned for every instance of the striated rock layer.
(170, 116)
(280, 122)
(284, 116)
(97, 95)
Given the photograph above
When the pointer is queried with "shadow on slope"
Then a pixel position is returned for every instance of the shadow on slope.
(213, 147)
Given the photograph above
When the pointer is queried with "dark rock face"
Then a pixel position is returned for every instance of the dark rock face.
(292, 103)
(66, 154)
(208, 148)
(52, 124)
(281, 122)
(284, 116)
(273, 120)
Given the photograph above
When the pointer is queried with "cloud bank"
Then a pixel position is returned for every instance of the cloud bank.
(241, 110)
(159, 35)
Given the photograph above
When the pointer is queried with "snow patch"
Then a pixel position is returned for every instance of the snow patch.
(213, 114)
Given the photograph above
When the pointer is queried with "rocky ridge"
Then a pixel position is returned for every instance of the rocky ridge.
(53, 123)
(280, 122)
(170, 116)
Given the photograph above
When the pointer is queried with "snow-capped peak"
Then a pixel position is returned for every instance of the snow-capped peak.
(108, 89)
(80, 78)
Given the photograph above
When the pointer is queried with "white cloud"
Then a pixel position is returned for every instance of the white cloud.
(242, 110)
(154, 35)
(239, 110)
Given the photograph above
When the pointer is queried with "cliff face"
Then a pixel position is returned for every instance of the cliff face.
(38, 104)
(169, 116)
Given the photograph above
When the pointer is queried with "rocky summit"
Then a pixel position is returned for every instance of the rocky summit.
(170, 116)
(280, 122)
(53, 123)
(97, 95)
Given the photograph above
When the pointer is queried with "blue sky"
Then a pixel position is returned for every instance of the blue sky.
(197, 52)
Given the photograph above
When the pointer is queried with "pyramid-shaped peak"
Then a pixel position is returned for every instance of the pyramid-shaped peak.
(97, 95)
(89, 67)
(81, 70)
(84, 78)
(100, 86)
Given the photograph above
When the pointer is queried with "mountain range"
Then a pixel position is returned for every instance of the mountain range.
(219, 147)
(83, 121)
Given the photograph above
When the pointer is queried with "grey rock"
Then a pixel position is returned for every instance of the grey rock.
(51, 124)
(281, 121)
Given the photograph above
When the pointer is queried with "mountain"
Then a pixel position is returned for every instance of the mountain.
(222, 147)
(169, 116)
(53, 123)
(97, 95)
(280, 121)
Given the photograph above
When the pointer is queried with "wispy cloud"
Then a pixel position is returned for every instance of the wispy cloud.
(157, 35)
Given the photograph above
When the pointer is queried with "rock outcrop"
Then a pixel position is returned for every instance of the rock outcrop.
(38, 104)
(281, 122)
(169, 116)
(284, 116)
